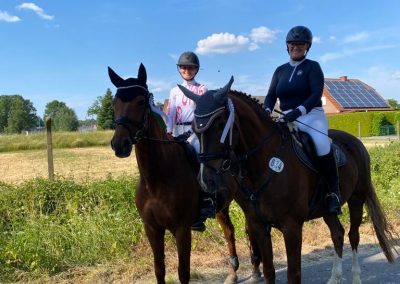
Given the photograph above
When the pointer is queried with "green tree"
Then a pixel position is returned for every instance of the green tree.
(16, 114)
(393, 103)
(63, 117)
(104, 110)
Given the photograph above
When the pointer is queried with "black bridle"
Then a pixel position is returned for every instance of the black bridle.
(141, 125)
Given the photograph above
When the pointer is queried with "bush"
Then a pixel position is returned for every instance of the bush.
(50, 226)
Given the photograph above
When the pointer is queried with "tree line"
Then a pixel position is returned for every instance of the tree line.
(18, 114)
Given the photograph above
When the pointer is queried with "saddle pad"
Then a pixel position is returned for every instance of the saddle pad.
(311, 162)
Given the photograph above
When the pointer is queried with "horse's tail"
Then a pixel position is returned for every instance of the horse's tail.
(383, 229)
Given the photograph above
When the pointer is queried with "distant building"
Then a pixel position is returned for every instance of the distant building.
(350, 95)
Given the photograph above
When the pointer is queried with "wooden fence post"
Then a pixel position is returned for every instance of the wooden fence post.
(50, 164)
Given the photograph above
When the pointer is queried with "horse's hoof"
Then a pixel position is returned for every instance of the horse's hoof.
(231, 279)
(256, 278)
(234, 262)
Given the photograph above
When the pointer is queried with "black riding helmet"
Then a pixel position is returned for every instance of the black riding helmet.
(299, 34)
(188, 58)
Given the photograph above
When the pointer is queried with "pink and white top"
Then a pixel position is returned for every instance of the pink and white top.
(180, 108)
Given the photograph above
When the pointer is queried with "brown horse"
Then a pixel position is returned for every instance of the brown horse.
(167, 194)
(237, 137)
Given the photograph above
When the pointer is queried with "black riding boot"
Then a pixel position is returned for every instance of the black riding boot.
(329, 171)
(207, 210)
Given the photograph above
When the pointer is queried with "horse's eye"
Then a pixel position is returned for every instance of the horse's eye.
(141, 102)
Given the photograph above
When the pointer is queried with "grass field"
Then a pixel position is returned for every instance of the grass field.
(78, 164)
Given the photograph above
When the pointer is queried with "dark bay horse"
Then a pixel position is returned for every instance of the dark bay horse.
(238, 138)
(167, 193)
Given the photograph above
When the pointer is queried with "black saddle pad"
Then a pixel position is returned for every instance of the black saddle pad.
(305, 151)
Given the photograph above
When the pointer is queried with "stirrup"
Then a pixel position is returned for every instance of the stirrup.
(198, 226)
(333, 203)
(208, 211)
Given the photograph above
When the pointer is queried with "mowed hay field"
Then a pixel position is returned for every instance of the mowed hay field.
(78, 164)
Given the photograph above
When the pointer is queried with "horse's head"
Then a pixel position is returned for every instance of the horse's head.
(131, 109)
(213, 123)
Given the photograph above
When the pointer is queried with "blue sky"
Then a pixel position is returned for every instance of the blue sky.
(60, 50)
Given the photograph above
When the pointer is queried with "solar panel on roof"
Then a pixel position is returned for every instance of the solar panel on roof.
(354, 94)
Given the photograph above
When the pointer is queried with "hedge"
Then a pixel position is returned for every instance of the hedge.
(370, 122)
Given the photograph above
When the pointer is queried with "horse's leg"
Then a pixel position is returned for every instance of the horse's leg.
(156, 240)
(337, 236)
(261, 239)
(183, 241)
(292, 234)
(356, 212)
(229, 232)
(256, 260)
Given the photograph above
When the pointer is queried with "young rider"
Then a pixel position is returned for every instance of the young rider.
(181, 113)
(298, 85)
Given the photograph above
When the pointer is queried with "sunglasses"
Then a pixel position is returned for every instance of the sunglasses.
(294, 43)
(187, 67)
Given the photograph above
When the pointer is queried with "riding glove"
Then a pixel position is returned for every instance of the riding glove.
(184, 136)
(292, 115)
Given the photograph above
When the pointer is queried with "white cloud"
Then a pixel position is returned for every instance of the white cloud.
(39, 11)
(157, 86)
(263, 34)
(356, 37)
(349, 52)
(332, 38)
(384, 81)
(316, 39)
(4, 16)
(222, 43)
(396, 75)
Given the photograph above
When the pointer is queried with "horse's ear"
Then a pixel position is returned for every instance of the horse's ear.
(220, 95)
(194, 97)
(142, 75)
(115, 78)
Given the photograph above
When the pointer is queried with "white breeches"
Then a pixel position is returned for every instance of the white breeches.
(317, 120)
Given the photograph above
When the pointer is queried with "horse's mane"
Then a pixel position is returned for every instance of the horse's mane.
(252, 102)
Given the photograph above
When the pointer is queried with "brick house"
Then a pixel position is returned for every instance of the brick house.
(350, 95)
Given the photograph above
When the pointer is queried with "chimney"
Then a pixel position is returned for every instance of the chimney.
(343, 78)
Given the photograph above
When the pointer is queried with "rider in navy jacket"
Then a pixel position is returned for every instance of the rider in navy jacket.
(299, 85)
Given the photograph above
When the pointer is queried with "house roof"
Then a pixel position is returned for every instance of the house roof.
(353, 94)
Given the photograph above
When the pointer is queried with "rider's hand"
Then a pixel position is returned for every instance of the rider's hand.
(184, 136)
(292, 115)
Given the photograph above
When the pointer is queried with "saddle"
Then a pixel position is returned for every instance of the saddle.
(304, 148)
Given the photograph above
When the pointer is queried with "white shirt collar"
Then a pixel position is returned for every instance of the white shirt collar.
(189, 83)
(296, 63)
